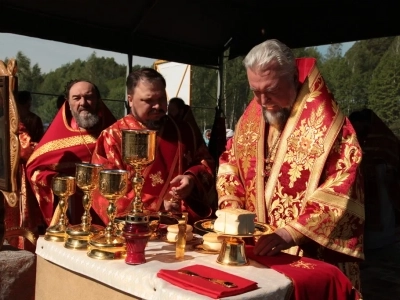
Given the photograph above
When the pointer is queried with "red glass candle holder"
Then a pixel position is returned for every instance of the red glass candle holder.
(136, 232)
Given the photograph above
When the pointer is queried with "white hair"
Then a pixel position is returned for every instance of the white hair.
(263, 54)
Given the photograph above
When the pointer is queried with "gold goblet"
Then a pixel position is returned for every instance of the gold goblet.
(138, 150)
(87, 179)
(63, 187)
(112, 185)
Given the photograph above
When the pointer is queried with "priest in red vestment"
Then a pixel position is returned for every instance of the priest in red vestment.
(294, 160)
(70, 139)
(181, 177)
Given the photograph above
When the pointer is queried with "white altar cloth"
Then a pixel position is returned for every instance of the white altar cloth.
(142, 281)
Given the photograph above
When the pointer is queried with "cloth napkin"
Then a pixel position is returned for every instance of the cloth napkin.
(312, 279)
(205, 287)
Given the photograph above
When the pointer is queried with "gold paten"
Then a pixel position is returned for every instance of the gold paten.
(232, 251)
(106, 254)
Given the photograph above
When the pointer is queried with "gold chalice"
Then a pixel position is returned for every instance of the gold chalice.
(63, 187)
(112, 185)
(87, 179)
(138, 150)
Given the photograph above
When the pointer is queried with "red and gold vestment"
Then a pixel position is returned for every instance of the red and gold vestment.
(312, 188)
(63, 145)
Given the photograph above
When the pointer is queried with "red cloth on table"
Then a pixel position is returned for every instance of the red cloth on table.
(312, 279)
(205, 287)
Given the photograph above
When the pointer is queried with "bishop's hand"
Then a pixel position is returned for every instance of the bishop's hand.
(272, 244)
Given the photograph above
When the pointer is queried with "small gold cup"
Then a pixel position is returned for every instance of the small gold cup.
(63, 187)
(112, 185)
(87, 179)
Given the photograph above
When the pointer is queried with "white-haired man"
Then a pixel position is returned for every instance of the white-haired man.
(294, 161)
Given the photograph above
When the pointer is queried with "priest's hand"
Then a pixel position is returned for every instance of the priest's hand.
(272, 244)
(182, 186)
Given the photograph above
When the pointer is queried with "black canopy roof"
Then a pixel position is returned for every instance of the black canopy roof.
(196, 31)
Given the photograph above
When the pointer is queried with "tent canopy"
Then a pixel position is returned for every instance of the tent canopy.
(196, 31)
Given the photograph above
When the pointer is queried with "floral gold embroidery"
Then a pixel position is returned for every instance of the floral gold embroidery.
(305, 144)
(227, 186)
(285, 208)
(246, 143)
(156, 179)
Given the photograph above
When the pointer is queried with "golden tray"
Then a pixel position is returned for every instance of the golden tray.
(232, 251)
(207, 225)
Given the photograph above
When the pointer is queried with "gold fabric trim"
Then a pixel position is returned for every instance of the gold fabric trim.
(283, 144)
(260, 202)
(315, 174)
(297, 236)
(340, 202)
(227, 169)
(313, 77)
(61, 144)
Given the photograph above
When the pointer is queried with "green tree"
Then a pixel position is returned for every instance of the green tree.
(109, 77)
(308, 52)
(237, 91)
(204, 95)
(384, 89)
(363, 57)
(29, 78)
(337, 74)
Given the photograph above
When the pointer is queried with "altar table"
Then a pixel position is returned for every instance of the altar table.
(70, 274)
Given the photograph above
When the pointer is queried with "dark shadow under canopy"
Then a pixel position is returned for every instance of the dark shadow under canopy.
(196, 31)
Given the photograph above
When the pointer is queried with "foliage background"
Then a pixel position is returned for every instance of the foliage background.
(366, 76)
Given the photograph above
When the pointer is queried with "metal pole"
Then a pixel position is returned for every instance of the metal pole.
(128, 71)
(220, 87)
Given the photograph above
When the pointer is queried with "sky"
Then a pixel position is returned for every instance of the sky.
(50, 55)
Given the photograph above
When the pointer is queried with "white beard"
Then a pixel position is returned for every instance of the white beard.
(276, 119)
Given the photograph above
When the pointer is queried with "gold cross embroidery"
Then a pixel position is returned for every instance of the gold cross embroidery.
(156, 179)
(302, 264)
